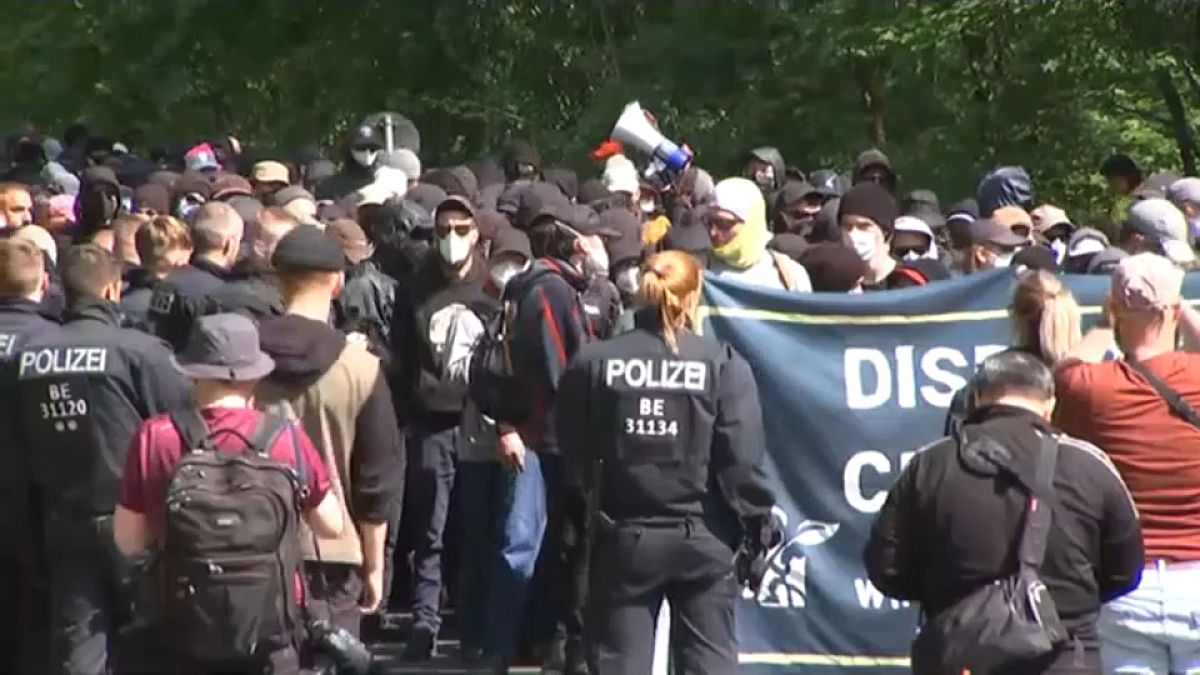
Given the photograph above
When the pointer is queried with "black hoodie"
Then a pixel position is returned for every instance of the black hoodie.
(353, 175)
(306, 351)
(773, 157)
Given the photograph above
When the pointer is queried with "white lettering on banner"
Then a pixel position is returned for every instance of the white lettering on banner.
(63, 361)
(663, 374)
(896, 375)
(785, 582)
(852, 477)
(870, 597)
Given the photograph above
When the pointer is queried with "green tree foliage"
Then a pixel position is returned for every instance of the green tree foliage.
(947, 88)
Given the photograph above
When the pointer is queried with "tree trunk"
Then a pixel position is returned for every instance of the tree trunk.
(1179, 122)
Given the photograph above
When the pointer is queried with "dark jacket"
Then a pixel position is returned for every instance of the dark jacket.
(135, 299)
(181, 297)
(353, 175)
(250, 289)
(699, 448)
(312, 357)
(425, 309)
(549, 328)
(947, 529)
(20, 321)
(85, 389)
(367, 305)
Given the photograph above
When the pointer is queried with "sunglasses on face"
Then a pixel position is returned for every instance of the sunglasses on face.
(461, 230)
(1021, 230)
(901, 251)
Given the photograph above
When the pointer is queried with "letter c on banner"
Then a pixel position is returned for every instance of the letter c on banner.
(852, 480)
(857, 399)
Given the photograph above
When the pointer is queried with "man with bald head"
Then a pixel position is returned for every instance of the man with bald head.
(217, 231)
(251, 288)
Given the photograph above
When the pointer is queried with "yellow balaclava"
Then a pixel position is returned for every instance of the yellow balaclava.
(742, 198)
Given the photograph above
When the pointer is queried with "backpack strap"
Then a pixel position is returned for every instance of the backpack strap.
(266, 432)
(785, 273)
(1173, 398)
(193, 430)
(1036, 530)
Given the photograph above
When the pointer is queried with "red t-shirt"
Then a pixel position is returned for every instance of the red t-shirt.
(1157, 453)
(157, 447)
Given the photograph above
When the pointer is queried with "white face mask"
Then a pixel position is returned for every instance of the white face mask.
(455, 249)
(1060, 250)
(503, 272)
(913, 255)
(628, 280)
(1004, 260)
(364, 157)
(863, 243)
(647, 206)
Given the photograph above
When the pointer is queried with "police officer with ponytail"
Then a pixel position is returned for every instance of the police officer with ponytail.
(662, 436)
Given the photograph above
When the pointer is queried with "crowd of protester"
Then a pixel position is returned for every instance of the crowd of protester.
(353, 291)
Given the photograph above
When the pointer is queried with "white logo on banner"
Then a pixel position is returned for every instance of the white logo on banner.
(785, 581)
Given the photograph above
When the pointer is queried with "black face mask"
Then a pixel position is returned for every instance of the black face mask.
(98, 207)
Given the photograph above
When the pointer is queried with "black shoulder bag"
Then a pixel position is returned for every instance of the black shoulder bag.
(1011, 620)
(1173, 398)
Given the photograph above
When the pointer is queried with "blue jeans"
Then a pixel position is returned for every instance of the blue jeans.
(503, 519)
(1156, 628)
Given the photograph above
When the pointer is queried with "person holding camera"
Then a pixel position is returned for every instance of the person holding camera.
(662, 438)
(163, 480)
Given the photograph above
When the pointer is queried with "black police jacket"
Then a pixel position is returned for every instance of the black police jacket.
(181, 297)
(680, 434)
(250, 290)
(948, 527)
(84, 390)
(20, 321)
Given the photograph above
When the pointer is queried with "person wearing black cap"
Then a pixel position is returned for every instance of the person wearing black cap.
(338, 391)
(867, 215)
(521, 162)
(796, 207)
(361, 152)
(833, 267)
(550, 325)
(98, 202)
(367, 302)
(447, 282)
(992, 246)
(224, 362)
(872, 166)
(83, 391)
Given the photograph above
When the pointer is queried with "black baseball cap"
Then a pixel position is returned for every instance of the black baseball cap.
(307, 248)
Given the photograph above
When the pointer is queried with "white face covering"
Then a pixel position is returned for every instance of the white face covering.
(647, 206)
(364, 157)
(628, 280)
(1001, 261)
(863, 243)
(455, 249)
(503, 272)
(913, 255)
(1060, 250)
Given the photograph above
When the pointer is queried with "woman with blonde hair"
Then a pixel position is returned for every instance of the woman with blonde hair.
(663, 427)
(1045, 323)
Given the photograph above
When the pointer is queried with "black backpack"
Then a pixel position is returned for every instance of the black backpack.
(494, 384)
(1011, 620)
(231, 554)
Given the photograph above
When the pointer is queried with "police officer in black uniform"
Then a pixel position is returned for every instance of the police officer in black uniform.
(662, 434)
(183, 295)
(23, 647)
(83, 391)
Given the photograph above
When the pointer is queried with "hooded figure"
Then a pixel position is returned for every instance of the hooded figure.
(360, 152)
(29, 158)
(737, 226)
(521, 162)
(99, 200)
(872, 166)
(765, 166)
(1006, 186)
